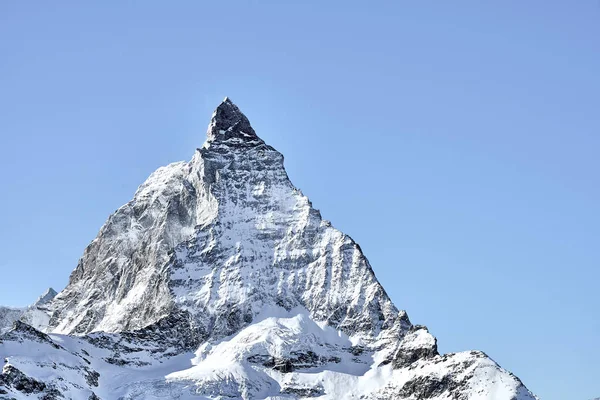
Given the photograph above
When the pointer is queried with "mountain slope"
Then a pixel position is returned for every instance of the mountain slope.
(220, 280)
(221, 237)
(130, 366)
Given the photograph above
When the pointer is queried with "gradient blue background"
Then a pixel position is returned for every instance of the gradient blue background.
(457, 142)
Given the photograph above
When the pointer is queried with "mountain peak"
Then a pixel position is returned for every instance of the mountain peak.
(48, 295)
(224, 257)
(228, 123)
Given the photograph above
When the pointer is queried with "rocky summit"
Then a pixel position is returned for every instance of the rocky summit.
(219, 280)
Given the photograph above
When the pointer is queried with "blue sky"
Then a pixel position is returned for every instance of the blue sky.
(457, 142)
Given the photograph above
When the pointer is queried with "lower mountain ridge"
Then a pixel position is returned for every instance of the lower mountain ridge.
(219, 280)
(35, 314)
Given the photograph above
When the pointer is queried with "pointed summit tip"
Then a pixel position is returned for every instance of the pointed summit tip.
(48, 295)
(227, 107)
(228, 122)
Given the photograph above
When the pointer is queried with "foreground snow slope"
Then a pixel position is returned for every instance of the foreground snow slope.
(220, 280)
(285, 357)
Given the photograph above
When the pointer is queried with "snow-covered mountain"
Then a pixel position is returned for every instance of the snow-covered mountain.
(34, 313)
(220, 280)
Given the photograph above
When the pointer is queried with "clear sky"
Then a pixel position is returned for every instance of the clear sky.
(457, 142)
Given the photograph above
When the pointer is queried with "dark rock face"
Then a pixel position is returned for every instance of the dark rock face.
(168, 337)
(14, 378)
(177, 331)
(303, 391)
(407, 353)
(427, 387)
(228, 123)
(297, 361)
(91, 377)
(21, 332)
